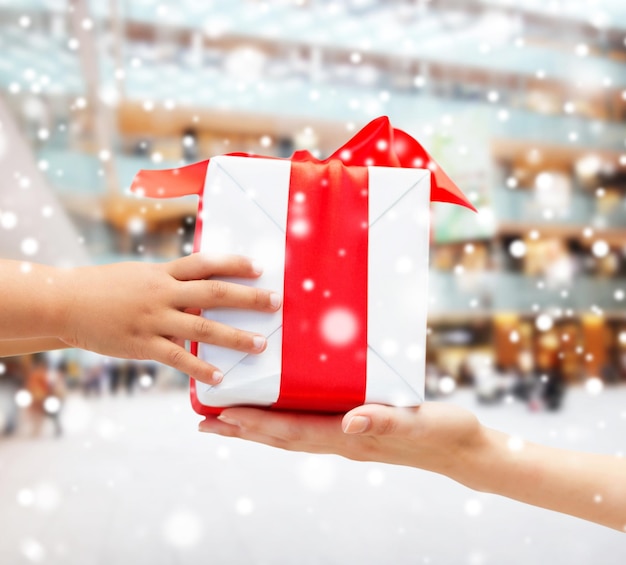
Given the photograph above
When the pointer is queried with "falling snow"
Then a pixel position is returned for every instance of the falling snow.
(179, 497)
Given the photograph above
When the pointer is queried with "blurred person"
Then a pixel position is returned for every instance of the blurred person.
(92, 379)
(130, 310)
(11, 381)
(466, 372)
(132, 375)
(622, 364)
(123, 375)
(449, 440)
(115, 377)
(46, 385)
(552, 387)
(38, 387)
(526, 382)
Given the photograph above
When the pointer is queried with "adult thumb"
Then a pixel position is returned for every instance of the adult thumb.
(378, 420)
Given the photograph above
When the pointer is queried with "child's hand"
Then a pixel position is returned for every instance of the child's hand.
(147, 311)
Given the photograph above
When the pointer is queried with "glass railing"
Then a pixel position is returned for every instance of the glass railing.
(582, 293)
(489, 292)
(579, 210)
(379, 30)
(72, 172)
(611, 15)
(292, 93)
(383, 31)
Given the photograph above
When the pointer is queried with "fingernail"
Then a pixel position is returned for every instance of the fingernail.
(357, 425)
(227, 420)
(205, 427)
(218, 377)
(257, 267)
(258, 341)
(274, 300)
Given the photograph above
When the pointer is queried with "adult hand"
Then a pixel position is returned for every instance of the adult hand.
(434, 436)
(448, 440)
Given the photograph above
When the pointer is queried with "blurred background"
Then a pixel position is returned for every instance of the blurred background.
(522, 103)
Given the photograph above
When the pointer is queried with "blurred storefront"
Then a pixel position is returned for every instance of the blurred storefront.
(529, 122)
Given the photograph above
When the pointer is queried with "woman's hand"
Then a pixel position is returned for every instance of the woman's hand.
(434, 436)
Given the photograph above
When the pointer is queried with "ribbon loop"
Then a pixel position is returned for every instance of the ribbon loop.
(377, 144)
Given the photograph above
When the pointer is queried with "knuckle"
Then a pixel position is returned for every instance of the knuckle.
(203, 328)
(385, 425)
(260, 298)
(175, 356)
(292, 435)
(238, 339)
(219, 289)
(242, 263)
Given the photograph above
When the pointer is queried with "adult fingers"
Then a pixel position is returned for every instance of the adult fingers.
(215, 426)
(165, 351)
(221, 294)
(201, 266)
(200, 329)
(376, 419)
(289, 427)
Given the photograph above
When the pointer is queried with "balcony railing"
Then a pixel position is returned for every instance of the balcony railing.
(490, 292)
(579, 209)
(283, 88)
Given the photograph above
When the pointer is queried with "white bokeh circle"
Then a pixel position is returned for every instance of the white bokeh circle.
(339, 326)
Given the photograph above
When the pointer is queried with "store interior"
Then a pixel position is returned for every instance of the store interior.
(528, 122)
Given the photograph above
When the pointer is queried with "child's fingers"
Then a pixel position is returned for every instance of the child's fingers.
(202, 266)
(197, 328)
(166, 352)
(221, 294)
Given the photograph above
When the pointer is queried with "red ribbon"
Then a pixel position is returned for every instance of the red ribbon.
(378, 143)
(324, 349)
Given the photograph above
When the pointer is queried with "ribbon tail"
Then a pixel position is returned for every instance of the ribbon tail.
(411, 154)
(171, 183)
(443, 189)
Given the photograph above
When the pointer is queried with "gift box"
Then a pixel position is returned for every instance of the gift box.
(346, 241)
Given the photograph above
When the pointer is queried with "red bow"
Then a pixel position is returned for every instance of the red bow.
(377, 144)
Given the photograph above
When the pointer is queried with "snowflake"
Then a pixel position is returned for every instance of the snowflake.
(473, 507)
(544, 322)
(594, 385)
(29, 246)
(339, 326)
(8, 220)
(182, 529)
(317, 473)
(244, 506)
(32, 550)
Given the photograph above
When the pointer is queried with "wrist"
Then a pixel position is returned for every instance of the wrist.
(64, 300)
(59, 294)
(479, 460)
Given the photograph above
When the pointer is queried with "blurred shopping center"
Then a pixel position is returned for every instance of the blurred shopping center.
(522, 103)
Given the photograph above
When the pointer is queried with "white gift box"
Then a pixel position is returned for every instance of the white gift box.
(244, 211)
